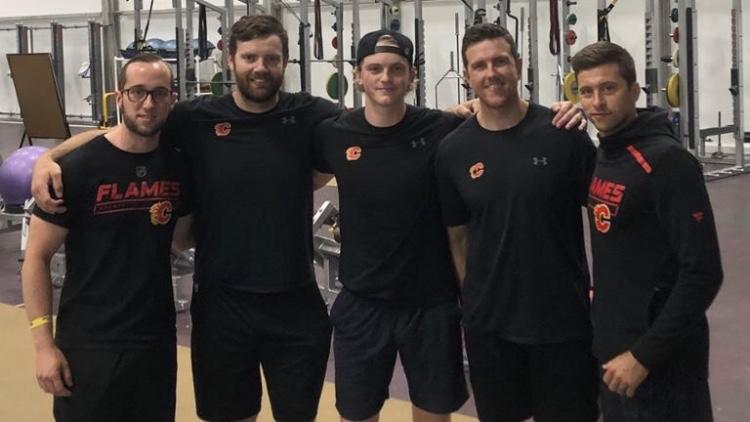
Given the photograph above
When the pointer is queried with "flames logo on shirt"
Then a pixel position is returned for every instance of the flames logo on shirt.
(602, 214)
(223, 129)
(477, 170)
(161, 213)
(353, 153)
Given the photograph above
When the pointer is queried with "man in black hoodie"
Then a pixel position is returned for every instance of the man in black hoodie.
(656, 255)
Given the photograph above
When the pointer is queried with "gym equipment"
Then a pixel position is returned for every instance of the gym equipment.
(452, 73)
(327, 250)
(571, 37)
(15, 175)
(318, 32)
(332, 86)
(515, 19)
(156, 43)
(676, 35)
(420, 97)
(563, 52)
(554, 27)
(572, 19)
(532, 70)
(170, 46)
(674, 16)
(570, 88)
(673, 90)
(658, 46)
(183, 266)
(25, 43)
(736, 160)
(688, 79)
(185, 57)
(603, 19)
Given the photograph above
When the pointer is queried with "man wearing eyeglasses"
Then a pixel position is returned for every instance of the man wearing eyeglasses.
(113, 356)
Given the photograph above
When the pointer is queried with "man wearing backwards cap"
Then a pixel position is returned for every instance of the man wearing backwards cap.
(400, 292)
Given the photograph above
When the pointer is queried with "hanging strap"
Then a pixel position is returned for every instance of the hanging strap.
(202, 33)
(554, 28)
(318, 34)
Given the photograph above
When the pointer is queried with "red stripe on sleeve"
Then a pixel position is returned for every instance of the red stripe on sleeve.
(639, 158)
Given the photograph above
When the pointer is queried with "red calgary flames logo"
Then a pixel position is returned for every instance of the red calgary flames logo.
(223, 129)
(353, 153)
(477, 170)
(161, 213)
(601, 217)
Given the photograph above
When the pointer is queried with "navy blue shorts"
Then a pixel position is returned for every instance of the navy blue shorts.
(367, 336)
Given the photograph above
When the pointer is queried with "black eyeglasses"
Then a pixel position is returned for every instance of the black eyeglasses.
(137, 94)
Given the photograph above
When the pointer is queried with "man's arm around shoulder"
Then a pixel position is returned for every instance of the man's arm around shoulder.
(47, 175)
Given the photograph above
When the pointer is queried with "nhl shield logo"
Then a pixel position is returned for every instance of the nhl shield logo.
(140, 171)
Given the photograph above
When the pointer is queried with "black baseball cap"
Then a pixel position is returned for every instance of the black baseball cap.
(385, 41)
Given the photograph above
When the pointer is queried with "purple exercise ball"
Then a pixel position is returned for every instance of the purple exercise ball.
(15, 175)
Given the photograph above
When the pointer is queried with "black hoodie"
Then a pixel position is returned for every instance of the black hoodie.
(656, 255)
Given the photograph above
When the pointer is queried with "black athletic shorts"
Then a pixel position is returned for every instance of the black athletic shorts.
(367, 335)
(235, 333)
(513, 382)
(675, 392)
(120, 385)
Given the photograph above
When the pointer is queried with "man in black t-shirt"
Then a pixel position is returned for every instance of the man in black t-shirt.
(657, 266)
(113, 356)
(512, 187)
(400, 290)
(400, 293)
(255, 300)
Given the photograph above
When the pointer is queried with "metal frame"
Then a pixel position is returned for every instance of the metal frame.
(419, 54)
(25, 45)
(658, 47)
(689, 107)
(737, 89)
(532, 67)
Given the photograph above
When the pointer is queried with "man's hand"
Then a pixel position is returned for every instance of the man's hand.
(465, 109)
(53, 372)
(624, 374)
(568, 115)
(47, 175)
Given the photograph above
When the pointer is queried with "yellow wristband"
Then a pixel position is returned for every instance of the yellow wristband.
(38, 322)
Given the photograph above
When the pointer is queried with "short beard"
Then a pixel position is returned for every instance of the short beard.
(262, 96)
(140, 131)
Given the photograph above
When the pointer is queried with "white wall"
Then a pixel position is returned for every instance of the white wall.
(626, 28)
(13, 8)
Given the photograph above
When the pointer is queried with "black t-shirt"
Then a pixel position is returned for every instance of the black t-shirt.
(657, 265)
(252, 188)
(394, 244)
(520, 192)
(122, 208)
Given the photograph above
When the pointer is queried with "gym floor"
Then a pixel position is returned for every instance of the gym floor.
(21, 400)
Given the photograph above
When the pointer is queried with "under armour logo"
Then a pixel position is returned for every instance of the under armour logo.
(415, 142)
(539, 161)
(140, 171)
(288, 120)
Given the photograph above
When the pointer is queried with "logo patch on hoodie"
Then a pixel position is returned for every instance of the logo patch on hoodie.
(605, 198)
